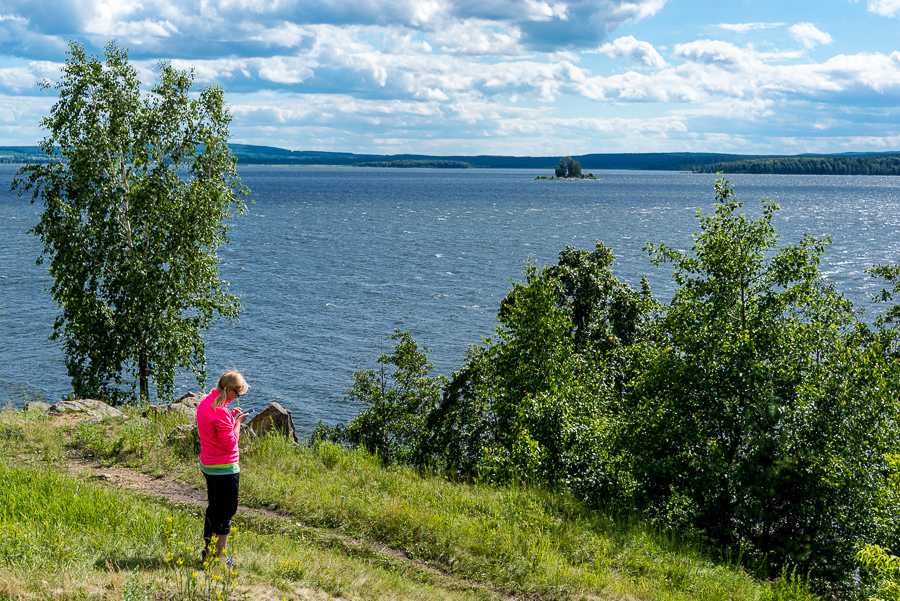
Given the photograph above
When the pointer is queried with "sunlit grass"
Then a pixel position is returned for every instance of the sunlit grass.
(526, 541)
(64, 538)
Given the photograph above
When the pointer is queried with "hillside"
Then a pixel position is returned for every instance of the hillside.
(698, 162)
(111, 508)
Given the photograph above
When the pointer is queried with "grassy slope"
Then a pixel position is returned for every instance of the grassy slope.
(66, 538)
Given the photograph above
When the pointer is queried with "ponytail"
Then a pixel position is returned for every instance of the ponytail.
(230, 380)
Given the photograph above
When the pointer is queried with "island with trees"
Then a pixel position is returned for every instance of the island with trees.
(567, 169)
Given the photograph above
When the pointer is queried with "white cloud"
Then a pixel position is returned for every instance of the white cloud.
(17, 80)
(477, 38)
(809, 35)
(716, 53)
(20, 116)
(636, 52)
(745, 27)
(488, 75)
(885, 8)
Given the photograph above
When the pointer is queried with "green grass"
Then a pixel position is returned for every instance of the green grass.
(66, 538)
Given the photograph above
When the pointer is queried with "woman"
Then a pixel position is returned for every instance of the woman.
(219, 429)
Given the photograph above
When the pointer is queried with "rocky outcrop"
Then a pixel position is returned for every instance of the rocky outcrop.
(37, 406)
(89, 407)
(186, 404)
(185, 440)
(274, 418)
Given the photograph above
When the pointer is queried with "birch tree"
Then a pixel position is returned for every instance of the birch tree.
(137, 196)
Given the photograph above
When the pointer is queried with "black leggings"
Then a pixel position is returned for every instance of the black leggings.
(222, 494)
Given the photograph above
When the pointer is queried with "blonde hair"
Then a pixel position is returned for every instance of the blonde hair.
(231, 380)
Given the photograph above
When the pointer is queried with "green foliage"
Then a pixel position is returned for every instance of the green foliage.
(534, 402)
(135, 590)
(754, 410)
(884, 568)
(395, 404)
(523, 540)
(568, 167)
(759, 414)
(889, 321)
(135, 202)
(353, 529)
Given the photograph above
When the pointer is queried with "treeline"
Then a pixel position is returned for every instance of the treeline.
(416, 163)
(754, 410)
(697, 162)
(674, 161)
(866, 164)
(21, 154)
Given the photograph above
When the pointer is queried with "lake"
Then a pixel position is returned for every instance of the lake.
(330, 261)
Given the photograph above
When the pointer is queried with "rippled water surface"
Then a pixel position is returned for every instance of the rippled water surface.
(330, 261)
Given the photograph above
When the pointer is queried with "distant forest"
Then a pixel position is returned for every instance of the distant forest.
(660, 161)
(21, 154)
(860, 164)
(696, 162)
(432, 163)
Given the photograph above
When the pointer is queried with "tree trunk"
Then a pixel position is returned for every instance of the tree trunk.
(143, 375)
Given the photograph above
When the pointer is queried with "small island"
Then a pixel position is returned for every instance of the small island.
(568, 169)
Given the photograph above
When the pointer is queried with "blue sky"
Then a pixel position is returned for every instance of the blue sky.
(535, 77)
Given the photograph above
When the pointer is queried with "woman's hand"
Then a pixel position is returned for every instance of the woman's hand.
(239, 417)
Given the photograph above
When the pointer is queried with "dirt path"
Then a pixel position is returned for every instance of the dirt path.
(172, 490)
(162, 487)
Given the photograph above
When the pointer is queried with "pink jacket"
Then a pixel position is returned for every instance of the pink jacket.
(218, 437)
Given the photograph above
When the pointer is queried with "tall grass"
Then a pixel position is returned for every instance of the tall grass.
(526, 541)
(65, 538)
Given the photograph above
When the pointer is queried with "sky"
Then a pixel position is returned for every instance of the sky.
(507, 77)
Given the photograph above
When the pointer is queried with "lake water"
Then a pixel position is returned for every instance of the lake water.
(330, 261)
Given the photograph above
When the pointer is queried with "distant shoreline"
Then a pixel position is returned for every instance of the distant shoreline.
(887, 163)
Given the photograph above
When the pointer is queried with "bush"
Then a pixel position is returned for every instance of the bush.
(753, 410)
(395, 404)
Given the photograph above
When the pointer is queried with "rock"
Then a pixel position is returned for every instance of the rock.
(37, 406)
(187, 404)
(88, 406)
(274, 417)
(185, 431)
(185, 439)
(190, 399)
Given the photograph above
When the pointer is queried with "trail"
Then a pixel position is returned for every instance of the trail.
(170, 489)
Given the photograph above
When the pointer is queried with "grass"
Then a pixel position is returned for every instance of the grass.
(346, 528)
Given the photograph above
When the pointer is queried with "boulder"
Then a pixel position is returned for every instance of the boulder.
(87, 406)
(185, 431)
(37, 406)
(185, 439)
(186, 404)
(274, 417)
